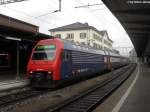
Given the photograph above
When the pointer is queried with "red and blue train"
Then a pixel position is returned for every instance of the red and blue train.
(55, 60)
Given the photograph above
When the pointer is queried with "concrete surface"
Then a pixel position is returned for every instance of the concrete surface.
(9, 80)
(139, 98)
(7, 75)
(108, 104)
(12, 84)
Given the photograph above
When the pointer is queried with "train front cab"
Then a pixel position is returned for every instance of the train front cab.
(44, 64)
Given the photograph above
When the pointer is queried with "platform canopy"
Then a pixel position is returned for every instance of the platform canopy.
(134, 15)
(11, 27)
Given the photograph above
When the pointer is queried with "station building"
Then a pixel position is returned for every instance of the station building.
(83, 34)
(17, 38)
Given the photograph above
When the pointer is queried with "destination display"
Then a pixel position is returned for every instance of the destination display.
(45, 47)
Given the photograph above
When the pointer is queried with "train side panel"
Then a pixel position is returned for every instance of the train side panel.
(117, 62)
(77, 63)
(66, 64)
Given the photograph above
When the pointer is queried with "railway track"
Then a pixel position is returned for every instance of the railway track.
(6, 100)
(11, 86)
(79, 101)
(88, 101)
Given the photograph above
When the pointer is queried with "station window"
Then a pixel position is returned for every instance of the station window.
(94, 45)
(96, 37)
(70, 36)
(83, 43)
(82, 35)
(58, 35)
(100, 39)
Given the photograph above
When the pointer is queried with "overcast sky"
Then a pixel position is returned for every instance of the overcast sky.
(39, 12)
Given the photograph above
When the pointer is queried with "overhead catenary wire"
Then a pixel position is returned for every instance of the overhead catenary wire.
(83, 6)
(34, 17)
(40, 19)
(31, 16)
(99, 9)
(46, 14)
(3, 2)
(59, 10)
(43, 14)
(28, 15)
(105, 24)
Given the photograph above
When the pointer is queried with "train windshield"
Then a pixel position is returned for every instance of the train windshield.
(44, 52)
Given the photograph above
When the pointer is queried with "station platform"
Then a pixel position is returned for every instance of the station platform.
(138, 99)
(132, 96)
(9, 80)
(10, 75)
(12, 84)
(5, 76)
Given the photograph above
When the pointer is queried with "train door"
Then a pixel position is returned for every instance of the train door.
(107, 60)
(66, 66)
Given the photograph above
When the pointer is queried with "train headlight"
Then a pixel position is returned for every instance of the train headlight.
(31, 72)
(49, 72)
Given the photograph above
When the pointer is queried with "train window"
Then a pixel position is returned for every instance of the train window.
(44, 52)
(66, 56)
(43, 55)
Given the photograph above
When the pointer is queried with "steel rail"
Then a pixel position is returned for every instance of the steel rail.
(6, 100)
(88, 100)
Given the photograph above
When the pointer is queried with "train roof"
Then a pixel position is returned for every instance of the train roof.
(70, 45)
(84, 48)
